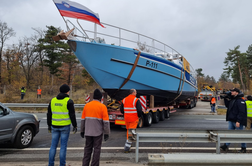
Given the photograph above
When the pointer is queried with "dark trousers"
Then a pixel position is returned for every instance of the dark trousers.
(38, 96)
(92, 143)
(22, 96)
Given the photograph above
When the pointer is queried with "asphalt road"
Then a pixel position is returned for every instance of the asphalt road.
(196, 118)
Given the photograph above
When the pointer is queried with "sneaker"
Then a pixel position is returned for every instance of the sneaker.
(243, 150)
(127, 146)
(224, 147)
(133, 132)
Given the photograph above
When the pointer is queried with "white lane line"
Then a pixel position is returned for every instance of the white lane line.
(121, 148)
(215, 119)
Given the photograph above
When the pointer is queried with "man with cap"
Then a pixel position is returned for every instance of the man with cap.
(236, 115)
(94, 126)
(249, 112)
(60, 115)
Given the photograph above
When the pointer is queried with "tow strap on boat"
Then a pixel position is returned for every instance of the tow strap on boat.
(178, 94)
(132, 70)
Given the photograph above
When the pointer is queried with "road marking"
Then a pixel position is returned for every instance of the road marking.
(215, 119)
(121, 148)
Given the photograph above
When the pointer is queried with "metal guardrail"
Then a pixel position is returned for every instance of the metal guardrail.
(185, 135)
(35, 105)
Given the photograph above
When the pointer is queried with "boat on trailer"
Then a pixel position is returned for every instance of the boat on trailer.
(118, 65)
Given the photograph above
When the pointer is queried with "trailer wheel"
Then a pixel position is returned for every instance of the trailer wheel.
(140, 122)
(148, 119)
(155, 117)
(167, 113)
(161, 115)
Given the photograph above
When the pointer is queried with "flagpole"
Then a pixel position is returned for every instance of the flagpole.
(66, 23)
(61, 16)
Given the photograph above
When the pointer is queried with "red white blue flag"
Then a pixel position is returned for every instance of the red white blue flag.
(75, 10)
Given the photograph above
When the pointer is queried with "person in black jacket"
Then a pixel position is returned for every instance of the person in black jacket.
(236, 115)
(60, 115)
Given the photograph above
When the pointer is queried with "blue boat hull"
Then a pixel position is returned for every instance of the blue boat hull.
(110, 65)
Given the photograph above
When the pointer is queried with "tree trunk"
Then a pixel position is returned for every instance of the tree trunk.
(243, 88)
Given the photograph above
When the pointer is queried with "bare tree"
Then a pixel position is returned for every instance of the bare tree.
(40, 34)
(5, 34)
(28, 57)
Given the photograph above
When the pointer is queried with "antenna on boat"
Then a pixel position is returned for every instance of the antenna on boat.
(95, 31)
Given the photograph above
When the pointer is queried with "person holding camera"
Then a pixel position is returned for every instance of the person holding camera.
(236, 114)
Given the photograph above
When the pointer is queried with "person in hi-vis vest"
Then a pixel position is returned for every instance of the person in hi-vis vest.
(60, 115)
(39, 92)
(132, 110)
(249, 111)
(95, 125)
(23, 90)
(212, 104)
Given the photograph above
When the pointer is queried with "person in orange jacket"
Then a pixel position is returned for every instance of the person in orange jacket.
(212, 104)
(94, 124)
(39, 92)
(132, 110)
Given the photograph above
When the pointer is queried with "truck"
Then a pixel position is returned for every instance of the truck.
(151, 113)
(207, 92)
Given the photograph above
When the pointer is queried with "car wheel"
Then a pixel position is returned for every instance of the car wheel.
(155, 117)
(148, 119)
(24, 137)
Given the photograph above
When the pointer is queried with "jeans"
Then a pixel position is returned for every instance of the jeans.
(212, 108)
(232, 126)
(61, 133)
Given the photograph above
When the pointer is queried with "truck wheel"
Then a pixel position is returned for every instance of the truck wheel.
(24, 137)
(140, 122)
(155, 117)
(148, 119)
(167, 113)
(161, 115)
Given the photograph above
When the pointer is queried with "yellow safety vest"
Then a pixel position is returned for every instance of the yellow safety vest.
(249, 108)
(60, 116)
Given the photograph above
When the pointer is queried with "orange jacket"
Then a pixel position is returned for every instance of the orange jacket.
(95, 119)
(130, 111)
(213, 101)
(39, 91)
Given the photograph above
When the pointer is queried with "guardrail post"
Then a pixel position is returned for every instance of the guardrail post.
(137, 146)
(218, 145)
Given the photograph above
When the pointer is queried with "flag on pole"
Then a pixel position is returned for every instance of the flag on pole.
(75, 10)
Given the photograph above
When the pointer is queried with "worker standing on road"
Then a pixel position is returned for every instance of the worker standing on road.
(23, 90)
(60, 115)
(236, 114)
(39, 92)
(94, 123)
(132, 110)
(249, 112)
(212, 104)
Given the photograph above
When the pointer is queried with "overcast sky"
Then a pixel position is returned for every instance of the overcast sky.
(201, 30)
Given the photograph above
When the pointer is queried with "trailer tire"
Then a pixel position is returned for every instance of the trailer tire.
(161, 115)
(155, 117)
(148, 119)
(140, 122)
(167, 113)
